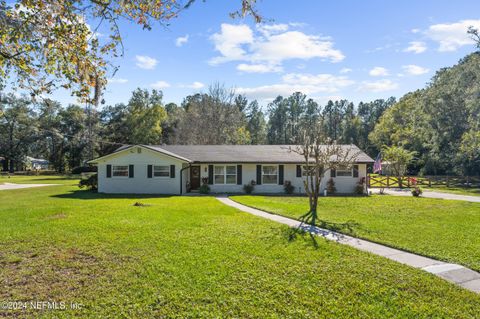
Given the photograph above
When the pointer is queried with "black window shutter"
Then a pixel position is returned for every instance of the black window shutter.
(333, 173)
(149, 171)
(280, 174)
(172, 171)
(239, 174)
(130, 171)
(109, 171)
(259, 174)
(299, 170)
(210, 174)
(355, 170)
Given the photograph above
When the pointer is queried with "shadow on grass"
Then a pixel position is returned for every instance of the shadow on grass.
(86, 194)
(325, 229)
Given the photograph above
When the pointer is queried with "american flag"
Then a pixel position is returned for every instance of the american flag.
(377, 166)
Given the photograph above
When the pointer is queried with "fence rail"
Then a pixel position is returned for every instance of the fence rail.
(379, 181)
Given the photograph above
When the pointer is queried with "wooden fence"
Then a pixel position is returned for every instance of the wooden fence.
(379, 181)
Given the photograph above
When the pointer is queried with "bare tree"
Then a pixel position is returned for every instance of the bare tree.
(321, 154)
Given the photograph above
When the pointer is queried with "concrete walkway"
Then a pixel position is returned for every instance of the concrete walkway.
(454, 273)
(433, 194)
(7, 186)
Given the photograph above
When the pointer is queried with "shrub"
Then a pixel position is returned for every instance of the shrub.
(417, 191)
(331, 189)
(91, 182)
(360, 187)
(204, 189)
(288, 187)
(84, 169)
(248, 188)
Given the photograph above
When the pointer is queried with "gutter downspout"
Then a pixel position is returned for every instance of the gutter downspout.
(181, 177)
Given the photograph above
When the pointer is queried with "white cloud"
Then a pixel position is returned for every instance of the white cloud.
(294, 45)
(117, 80)
(452, 36)
(415, 30)
(229, 42)
(412, 69)
(160, 85)
(378, 71)
(258, 68)
(378, 86)
(416, 47)
(268, 29)
(345, 70)
(298, 82)
(196, 85)
(181, 40)
(145, 62)
(270, 46)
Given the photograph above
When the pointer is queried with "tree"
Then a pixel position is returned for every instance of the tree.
(277, 121)
(475, 35)
(256, 125)
(321, 155)
(47, 43)
(212, 118)
(398, 159)
(17, 130)
(145, 115)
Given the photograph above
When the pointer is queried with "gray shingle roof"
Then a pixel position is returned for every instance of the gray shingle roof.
(245, 153)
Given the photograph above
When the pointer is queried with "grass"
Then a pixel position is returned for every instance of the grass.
(442, 229)
(455, 190)
(178, 257)
(39, 179)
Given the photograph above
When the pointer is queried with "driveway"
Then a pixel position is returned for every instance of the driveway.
(433, 194)
(7, 186)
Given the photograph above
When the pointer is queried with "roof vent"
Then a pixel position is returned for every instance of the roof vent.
(139, 150)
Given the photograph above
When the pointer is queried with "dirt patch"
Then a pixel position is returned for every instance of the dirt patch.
(139, 204)
(47, 274)
(56, 216)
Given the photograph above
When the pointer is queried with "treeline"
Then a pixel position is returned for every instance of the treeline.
(440, 124)
(69, 136)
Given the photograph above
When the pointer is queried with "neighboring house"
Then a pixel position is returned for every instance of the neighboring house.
(177, 169)
(36, 164)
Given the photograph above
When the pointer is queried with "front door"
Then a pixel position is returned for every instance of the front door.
(194, 177)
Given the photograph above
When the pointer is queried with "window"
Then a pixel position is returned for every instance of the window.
(305, 170)
(225, 174)
(343, 171)
(120, 171)
(161, 171)
(269, 174)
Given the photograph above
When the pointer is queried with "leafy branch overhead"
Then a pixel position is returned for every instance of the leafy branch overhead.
(46, 44)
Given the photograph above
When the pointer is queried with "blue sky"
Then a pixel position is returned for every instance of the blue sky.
(358, 50)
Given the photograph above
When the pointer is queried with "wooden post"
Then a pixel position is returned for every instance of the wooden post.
(429, 182)
(388, 181)
(408, 182)
(448, 184)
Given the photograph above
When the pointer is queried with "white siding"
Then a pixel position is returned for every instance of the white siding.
(249, 172)
(140, 183)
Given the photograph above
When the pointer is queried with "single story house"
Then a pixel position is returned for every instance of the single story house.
(178, 169)
(37, 164)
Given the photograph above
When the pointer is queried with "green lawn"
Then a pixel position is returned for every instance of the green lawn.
(455, 190)
(183, 257)
(442, 229)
